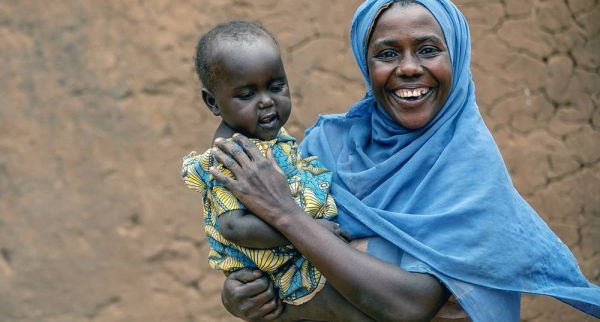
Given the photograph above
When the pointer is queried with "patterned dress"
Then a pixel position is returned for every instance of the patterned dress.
(297, 279)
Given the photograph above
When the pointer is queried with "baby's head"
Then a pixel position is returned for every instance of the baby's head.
(240, 67)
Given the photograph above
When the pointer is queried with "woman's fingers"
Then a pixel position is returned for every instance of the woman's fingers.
(256, 157)
(243, 154)
(251, 149)
(223, 153)
(228, 182)
(273, 162)
(239, 159)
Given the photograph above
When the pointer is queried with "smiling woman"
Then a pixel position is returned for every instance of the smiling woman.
(409, 65)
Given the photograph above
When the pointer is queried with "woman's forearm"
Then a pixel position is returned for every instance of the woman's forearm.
(382, 290)
(328, 305)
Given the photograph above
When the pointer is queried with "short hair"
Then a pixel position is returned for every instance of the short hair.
(234, 30)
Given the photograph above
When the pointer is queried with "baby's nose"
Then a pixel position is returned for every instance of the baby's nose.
(265, 101)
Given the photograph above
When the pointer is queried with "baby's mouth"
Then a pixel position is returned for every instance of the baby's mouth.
(412, 94)
(267, 119)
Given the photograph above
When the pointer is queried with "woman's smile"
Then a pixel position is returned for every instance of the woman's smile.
(412, 99)
(410, 94)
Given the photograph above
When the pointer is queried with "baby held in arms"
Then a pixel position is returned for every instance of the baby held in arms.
(245, 84)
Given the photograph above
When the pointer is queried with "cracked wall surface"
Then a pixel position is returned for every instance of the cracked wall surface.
(99, 102)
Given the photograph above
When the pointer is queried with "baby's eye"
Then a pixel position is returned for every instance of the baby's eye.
(275, 88)
(246, 96)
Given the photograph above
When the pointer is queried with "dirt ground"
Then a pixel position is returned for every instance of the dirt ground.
(99, 103)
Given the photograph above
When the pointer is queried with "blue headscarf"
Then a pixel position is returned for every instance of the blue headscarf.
(439, 199)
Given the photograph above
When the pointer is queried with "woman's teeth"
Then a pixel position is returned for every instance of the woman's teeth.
(408, 93)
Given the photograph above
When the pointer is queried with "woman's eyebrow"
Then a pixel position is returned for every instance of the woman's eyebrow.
(385, 43)
(428, 38)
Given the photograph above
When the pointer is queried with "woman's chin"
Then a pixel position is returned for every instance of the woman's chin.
(414, 124)
(414, 119)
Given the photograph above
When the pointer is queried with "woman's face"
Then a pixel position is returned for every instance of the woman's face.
(409, 65)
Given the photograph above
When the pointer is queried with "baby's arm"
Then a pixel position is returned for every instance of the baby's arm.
(245, 229)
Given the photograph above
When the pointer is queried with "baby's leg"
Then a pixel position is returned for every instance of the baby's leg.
(327, 306)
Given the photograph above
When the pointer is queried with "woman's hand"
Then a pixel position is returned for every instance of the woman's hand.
(251, 296)
(260, 184)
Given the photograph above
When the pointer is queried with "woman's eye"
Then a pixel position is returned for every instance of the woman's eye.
(387, 54)
(428, 51)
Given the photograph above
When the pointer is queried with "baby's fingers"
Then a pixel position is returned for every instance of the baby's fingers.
(345, 235)
(271, 316)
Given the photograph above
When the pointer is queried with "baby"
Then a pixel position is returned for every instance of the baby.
(240, 67)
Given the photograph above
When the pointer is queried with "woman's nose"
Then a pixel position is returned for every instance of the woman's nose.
(409, 66)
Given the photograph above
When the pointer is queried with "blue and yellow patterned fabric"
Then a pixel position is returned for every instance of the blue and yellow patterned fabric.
(297, 280)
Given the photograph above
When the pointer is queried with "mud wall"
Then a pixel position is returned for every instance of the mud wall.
(99, 102)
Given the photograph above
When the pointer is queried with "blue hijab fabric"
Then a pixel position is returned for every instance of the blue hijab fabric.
(439, 199)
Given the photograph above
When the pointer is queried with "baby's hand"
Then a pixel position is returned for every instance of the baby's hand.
(336, 230)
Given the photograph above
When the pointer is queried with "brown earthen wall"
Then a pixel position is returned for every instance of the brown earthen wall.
(99, 102)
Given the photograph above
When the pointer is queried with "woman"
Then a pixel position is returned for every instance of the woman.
(416, 171)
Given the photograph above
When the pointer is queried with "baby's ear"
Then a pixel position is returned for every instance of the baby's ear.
(210, 102)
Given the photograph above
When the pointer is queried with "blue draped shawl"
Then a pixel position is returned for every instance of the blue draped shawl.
(439, 199)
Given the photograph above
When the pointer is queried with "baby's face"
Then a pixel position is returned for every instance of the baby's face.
(251, 90)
